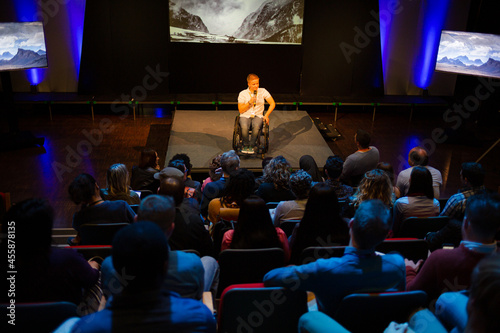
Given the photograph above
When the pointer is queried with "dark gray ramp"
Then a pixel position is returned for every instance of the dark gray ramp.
(205, 134)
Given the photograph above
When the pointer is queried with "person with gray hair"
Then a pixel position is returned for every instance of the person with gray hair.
(300, 185)
(230, 163)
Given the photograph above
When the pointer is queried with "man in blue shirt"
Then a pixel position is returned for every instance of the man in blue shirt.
(360, 269)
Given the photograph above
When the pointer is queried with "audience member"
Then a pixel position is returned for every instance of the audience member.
(333, 169)
(260, 180)
(238, 188)
(275, 187)
(214, 171)
(484, 297)
(359, 269)
(187, 275)
(84, 189)
(230, 162)
(255, 230)
(419, 201)
(375, 185)
(308, 164)
(472, 178)
(445, 269)
(143, 174)
(477, 313)
(418, 157)
(187, 163)
(364, 159)
(44, 273)
(321, 224)
(140, 250)
(389, 170)
(189, 191)
(118, 186)
(300, 185)
(189, 232)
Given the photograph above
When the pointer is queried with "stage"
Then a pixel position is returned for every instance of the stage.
(204, 134)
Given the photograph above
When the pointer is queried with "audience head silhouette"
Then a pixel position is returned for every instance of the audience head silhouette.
(173, 187)
(83, 189)
(333, 167)
(484, 297)
(158, 209)
(472, 174)
(117, 179)
(363, 139)
(421, 182)
(370, 225)
(482, 218)
(418, 156)
(140, 251)
(230, 162)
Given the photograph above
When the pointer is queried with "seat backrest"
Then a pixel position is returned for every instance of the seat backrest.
(272, 204)
(92, 251)
(254, 308)
(39, 317)
(99, 234)
(418, 227)
(135, 208)
(247, 265)
(288, 225)
(229, 214)
(314, 253)
(374, 312)
(413, 249)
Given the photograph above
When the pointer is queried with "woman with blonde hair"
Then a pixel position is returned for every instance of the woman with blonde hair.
(117, 180)
(375, 184)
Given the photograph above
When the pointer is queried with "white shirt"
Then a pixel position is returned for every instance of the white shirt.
(403, 182)
(246, 95)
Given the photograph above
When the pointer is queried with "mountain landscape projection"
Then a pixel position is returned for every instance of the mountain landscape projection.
(22, 46)
(236, 21)
(469, 53)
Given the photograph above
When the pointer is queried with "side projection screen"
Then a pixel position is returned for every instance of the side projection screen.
(469, 53)
(22, 46)
(236, 21)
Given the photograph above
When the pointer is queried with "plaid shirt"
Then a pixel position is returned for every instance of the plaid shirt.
(455, 206)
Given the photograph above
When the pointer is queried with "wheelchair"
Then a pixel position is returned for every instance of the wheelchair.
(262, 139)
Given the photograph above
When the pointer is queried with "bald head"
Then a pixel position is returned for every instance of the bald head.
(173, 187)
(418, 157)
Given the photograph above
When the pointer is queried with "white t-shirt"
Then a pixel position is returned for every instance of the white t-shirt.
(246, 95)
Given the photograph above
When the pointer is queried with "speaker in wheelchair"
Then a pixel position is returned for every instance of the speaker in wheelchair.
(262, 143)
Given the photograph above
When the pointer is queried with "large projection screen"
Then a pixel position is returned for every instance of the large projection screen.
(236, 21)
(22, 46)
(469, 53)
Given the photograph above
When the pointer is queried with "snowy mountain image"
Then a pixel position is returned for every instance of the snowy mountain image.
(22, 46)
(24, 59)
(469, 53)
(236, 21)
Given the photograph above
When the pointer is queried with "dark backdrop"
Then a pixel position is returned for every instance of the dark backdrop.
(122, 38)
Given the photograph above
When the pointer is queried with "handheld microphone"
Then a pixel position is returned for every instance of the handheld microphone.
(255, 95)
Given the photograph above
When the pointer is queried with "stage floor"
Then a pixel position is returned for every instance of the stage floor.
(202, 135)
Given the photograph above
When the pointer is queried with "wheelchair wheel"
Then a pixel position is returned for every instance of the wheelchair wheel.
(237, 135)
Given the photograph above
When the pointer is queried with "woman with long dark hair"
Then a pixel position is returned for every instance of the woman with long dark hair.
(239, 187)
(255, 230)
(321, 224)
(419, 202)
(143, 174)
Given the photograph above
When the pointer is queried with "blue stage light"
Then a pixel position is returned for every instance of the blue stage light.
(434, 18)
(26, 11)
